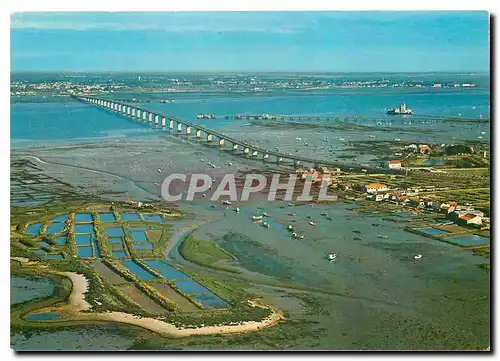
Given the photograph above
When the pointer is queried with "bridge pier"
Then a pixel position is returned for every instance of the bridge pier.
(128, 111)
(144, 115)
(209, 138)
(266, 156)
(221, 142)
(246, 150)
(163, 122)
(171, 124)
(156, 120)
(198, 133)
(151, 117)
(188, 130)
(235, 146)
(179, 127)
(255, 153)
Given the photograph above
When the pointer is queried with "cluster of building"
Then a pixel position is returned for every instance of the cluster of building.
(317, 175)
(458, 214)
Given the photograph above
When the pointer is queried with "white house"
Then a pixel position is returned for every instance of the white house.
(376, 188)
(392, 164)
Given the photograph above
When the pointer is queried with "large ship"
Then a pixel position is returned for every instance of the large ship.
(401, 110)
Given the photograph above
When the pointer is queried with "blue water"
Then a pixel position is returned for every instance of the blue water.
(164, 269)
(211, 301)
(84, 228)
(114, 232)
(54, 256)
(143, 246)
(107, 217)
(152, 217)
(49, 121)
(119, 254)
(84, 251)
(115, 240)
(43, 316)
(407, 214)
(61, 218)
(61, 240)
(34, 228)
(83, 239)
(469, 240)
(45, 244)
(83, 217)
(55, 228)
(433, 231)
(190, 286)
(139, 236)
(128, 217)
(138, 270)
(39, 252)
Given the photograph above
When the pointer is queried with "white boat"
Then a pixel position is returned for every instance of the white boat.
(257, 218)
(332, 256)
(312, 224)
(237, 210)
(295, 235)
(417, 257)
(265, 214)
(227, 203)
(290, 227)
(265, 224)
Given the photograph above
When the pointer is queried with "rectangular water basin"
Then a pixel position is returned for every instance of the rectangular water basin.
(164, 269)
(84, 251)
(190, 286)
(62, 218)
(61, 240)
(43, 316)
(107, 217)
(55, 228)
(83, 239)
(407, 214)
(45, 244)
(143, 246)
(211, 301)
(55, 256)
(83, 217)
(84, 228)
(129, 217)
(139, 236)
(114, 232)
(432, 231)
(119, 254)
(115, 240)
(152, 217)
(34, 228)
(39, 252)
(138, 270)
(469, 240)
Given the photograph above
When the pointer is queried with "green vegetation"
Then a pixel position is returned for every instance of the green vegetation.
(204, 253)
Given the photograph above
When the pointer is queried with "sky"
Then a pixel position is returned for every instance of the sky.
(251, 41)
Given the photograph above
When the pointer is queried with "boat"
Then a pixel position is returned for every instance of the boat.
(289, 228)
(265, 214)
(380, 236)
(401, 110)
(332, 256)
(357, 239)
(375, 224)
(356, 231)
(292, 214)
(227, 203)
(295, 235)
(308, 216)
(265, 225)
(323, 214)
(312, 224)
(329, 218)
(237, 210)
(257, 218)
(417, 257)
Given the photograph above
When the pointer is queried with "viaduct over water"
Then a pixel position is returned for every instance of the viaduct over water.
(183, 127)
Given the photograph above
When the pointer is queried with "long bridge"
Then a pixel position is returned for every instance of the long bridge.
(183, 127)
